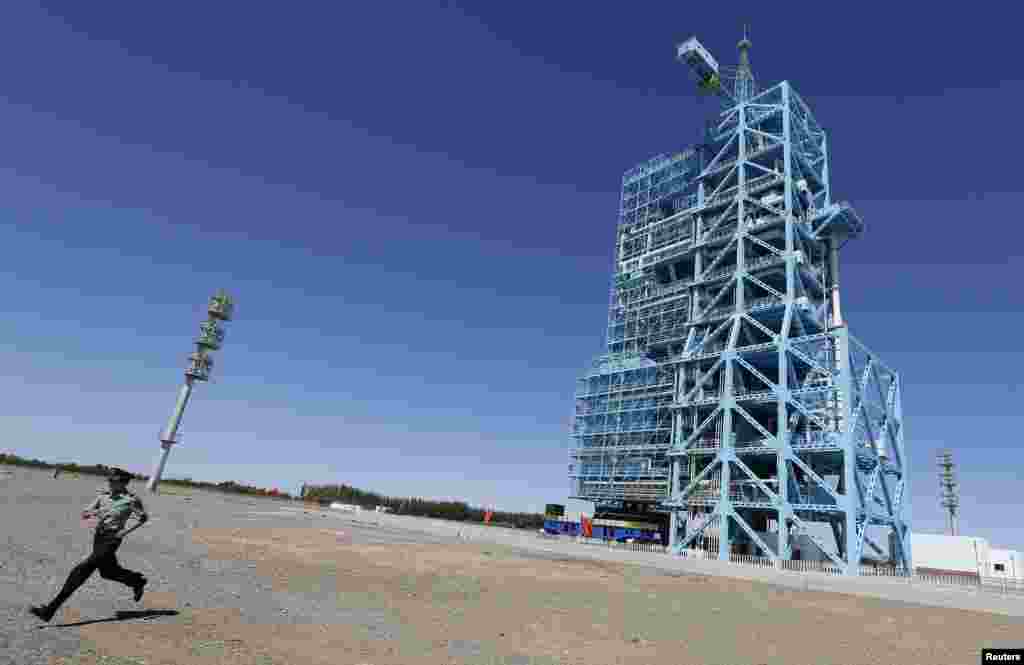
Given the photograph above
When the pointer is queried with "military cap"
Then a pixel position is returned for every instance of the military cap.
(115, 473)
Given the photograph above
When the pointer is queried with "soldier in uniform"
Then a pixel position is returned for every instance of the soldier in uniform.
(113, 507)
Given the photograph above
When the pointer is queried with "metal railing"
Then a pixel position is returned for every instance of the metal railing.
(753, 395)
(827, 568)
(751, 185)
(768, 260)
(715, 444)
(635, 406)
(698, 554)
(625, 428)
(728, 270)
(725, 231)
(675, 250)
(770, 301)
(628, 547)
(679, 332)
(669, 289)
(605, 449)
(706, 444)
(745, 492)
(635, 494)
(609, 389)
(751, 560)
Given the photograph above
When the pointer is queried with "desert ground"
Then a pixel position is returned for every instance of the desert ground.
(237, 580)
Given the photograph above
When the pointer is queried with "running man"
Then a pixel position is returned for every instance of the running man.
(113, 507)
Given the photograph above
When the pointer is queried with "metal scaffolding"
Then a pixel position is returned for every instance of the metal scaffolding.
(732, 394)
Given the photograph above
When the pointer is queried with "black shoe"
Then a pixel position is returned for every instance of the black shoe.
(139, 588)
(42, 612)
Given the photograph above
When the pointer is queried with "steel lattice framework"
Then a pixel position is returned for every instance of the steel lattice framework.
(733, 393)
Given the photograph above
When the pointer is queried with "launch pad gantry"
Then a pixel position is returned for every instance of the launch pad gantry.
(732, 396)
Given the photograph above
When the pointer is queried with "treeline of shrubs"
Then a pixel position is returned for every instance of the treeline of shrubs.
(91, 470)
(225, 486)
(102, 470)
(457, 511)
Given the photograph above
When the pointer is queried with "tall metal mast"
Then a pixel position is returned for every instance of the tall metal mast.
(949, 490)
(743, 89)
(211, 336)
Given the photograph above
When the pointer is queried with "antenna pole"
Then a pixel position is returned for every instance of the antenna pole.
(949, 490)
(211, 336)
(744, 75)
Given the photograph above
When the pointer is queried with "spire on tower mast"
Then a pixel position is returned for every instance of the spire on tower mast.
(744, 87)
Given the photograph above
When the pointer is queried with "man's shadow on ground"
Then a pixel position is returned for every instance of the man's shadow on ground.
(126, 615)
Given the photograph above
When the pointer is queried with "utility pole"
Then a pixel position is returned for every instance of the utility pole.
(211, 336)
(949, 497)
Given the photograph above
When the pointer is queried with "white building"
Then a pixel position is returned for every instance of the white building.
(1007, 564)
(939, 554)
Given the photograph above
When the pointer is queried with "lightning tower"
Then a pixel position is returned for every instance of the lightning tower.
(949, 490)
(733, 399)
(211, 336)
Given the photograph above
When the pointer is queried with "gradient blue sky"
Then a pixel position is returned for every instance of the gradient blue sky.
(414, 205)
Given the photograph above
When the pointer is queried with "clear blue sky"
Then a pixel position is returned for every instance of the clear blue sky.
(414, 205)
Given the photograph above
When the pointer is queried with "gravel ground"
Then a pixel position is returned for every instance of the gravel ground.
(236, 580)
(43, 538)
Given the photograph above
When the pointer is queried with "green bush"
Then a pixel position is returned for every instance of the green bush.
(448, 510)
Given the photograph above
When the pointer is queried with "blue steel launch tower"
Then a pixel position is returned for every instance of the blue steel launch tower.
(732, 398)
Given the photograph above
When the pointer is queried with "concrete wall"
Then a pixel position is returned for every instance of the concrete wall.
(955, 554)
(1012, 563)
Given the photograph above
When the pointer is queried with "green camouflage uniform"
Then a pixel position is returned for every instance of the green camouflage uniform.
(113, 512)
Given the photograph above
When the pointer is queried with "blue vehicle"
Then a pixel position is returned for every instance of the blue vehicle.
(623, 531)
(561, 527)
